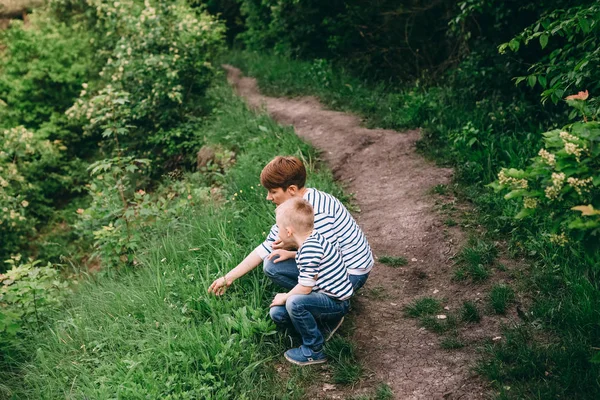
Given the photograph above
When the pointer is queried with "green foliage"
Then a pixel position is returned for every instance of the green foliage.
(346, 367)
(155, 331)
(393, 261)
(500, 298)
(470, 312)
(384, 392)
(451, 343)
(24, 157)
(475, 259)
(423, 306)
(438, 325)
(28, 293)
(538, 367)
(561, 183)
(570, 37)
(41, 72)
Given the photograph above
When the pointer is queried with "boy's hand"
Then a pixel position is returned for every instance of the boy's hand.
(283, 255)
(219, 286)
(279, 244)
(279, 300)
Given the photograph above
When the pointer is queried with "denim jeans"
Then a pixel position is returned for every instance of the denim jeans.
(285, 274)
(304, 311)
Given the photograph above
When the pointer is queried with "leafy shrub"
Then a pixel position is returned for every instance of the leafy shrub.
(27, 293)
(25, 157)
(161, 67)
(570, 37)
(562, 183)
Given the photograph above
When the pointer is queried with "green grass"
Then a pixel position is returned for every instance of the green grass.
(500, 298)
(433, 324)
(450, 222)
(155, 332)
(341, 353)
(469, 312)
(451, 343)
(422, 307)
(393, 261)
(440, 189)
(475, 260)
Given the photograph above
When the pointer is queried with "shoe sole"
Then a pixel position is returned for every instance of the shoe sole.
(321, 361)
(330, 335)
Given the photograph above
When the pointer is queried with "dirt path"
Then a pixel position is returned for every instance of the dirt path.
(391, 183)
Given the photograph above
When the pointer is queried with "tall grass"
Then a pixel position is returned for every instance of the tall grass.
(155, 332)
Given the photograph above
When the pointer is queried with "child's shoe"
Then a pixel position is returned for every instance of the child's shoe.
(305, 356)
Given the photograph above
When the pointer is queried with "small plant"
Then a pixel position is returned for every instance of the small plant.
(474, 260)
(346, 368)
(384, 392)
(422, 306)
(451, 343)
(450, 222)
(393, 261)
(500, 298)
(469, 312)
(438, 325)
(440, 189)
(27, 293)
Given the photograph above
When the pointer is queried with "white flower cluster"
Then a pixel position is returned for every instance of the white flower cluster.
(580, 185)
(530, 202)
(572, 146)
(508, 180)
(548, 157)
(559, 240)
(558, 180)
(574, 149)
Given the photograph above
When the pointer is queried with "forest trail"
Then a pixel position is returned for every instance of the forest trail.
(392, 187)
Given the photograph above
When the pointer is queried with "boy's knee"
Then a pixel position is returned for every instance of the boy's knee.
(269, 267)
(294, 304)
(278, 314)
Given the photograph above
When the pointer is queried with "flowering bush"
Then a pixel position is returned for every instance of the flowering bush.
(161, 62)
(563, 180)
(23, 156)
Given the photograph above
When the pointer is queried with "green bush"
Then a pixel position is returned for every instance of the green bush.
(562, 183)
(28, 293)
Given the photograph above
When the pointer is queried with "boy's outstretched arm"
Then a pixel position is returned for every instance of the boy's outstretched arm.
(220, 285)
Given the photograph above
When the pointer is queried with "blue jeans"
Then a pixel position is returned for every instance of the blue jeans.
(285, 274)
(303, 311)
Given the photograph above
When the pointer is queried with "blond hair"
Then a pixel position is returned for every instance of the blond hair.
(297, 213)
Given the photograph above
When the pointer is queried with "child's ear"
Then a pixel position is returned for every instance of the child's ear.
(289, 231)
(292, 189)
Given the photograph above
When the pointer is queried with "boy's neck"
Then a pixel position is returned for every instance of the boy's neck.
(301, 238)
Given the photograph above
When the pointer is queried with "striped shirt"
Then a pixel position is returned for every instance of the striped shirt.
(336, 224)
(321, 267)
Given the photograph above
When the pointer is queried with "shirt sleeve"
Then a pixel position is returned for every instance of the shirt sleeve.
(309, 262)
(266, 247)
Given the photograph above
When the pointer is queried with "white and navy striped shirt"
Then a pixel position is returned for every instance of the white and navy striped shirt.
(336, 224)
(321, 267)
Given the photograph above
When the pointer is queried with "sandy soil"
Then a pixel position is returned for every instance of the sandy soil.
(392, 184)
